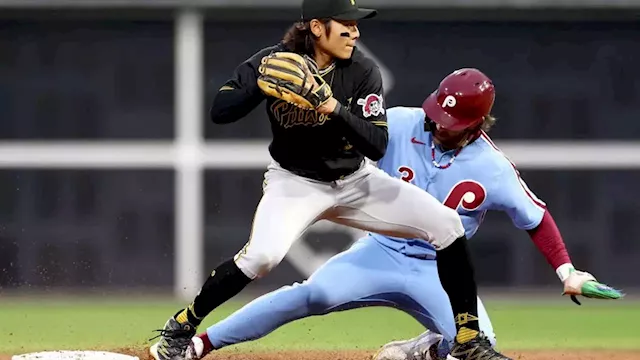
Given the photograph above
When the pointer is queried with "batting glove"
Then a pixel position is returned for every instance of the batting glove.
(582, 283)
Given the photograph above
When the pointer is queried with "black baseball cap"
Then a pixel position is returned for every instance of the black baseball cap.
(335, 9)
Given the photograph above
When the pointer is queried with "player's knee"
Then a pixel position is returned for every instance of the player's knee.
(266, 262)
(319, 297)
(308, 297)
(451, 227)
(257, 265)
(453, 221)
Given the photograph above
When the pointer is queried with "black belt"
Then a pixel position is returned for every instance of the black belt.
(324, 175)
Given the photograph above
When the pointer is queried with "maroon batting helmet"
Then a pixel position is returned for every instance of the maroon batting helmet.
(462, 100)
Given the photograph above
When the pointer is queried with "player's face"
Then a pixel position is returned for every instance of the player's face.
(340, 39)
(450, 139)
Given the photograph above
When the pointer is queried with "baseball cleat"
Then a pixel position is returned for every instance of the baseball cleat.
(174, 340)
(419, 348)
(475, 349)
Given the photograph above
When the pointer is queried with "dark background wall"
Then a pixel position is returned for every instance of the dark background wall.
(96, 76)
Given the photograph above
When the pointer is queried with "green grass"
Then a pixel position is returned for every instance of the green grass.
(27, 326)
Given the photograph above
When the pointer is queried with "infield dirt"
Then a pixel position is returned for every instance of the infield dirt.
(366, 355)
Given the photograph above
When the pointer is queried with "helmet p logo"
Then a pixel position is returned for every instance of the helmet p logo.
(449, 101)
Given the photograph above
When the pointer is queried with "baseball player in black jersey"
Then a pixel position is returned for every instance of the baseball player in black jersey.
(324, 99)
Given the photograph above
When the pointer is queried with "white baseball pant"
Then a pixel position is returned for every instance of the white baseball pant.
(369, 200)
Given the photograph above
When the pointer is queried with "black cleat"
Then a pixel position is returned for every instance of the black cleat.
(174, 340)
(478, 348)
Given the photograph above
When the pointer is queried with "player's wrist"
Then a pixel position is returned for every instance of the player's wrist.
(337, 108)
(329, 107)
(563, 271)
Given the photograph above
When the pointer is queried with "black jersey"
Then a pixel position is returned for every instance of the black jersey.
(324, 147)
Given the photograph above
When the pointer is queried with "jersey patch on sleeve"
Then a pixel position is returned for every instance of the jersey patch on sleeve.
(371, 105)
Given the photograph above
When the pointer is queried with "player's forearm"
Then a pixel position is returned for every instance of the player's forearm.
(229, 106)
(369, 139)
(549, 242)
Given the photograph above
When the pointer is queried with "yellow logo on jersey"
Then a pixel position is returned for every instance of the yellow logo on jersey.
(353, 2)
(289, 115)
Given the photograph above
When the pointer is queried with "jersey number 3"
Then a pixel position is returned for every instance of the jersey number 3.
(467, 194)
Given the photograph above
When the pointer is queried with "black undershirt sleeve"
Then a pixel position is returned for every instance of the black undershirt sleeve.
(239, 95)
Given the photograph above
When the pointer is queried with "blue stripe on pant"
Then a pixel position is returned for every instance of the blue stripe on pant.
(367, 274)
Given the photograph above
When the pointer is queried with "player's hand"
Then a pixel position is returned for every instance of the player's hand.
(287, 76)
(328, 107)
(585, 284)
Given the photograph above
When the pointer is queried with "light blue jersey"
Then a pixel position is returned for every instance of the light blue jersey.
(480, 178)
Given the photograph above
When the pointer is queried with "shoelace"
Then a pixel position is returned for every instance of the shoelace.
(483, 340)
(172, 333)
